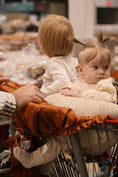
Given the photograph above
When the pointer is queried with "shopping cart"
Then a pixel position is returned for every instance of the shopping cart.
(94, 153)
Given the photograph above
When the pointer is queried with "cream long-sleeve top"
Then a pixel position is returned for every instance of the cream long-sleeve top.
(60, 71)
(103, 90)
(7, 105)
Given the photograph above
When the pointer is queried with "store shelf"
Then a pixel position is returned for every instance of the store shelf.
(17, 7)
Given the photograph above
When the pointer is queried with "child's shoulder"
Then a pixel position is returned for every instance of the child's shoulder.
(109, 80)
(105, 82)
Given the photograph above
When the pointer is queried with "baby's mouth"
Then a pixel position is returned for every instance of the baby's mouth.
(101, 77)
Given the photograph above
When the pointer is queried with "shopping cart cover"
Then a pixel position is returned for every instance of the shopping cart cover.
(42, 119)
(84, 106)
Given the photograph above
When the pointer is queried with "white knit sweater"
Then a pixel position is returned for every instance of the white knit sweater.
(103, 90)
(60, 71)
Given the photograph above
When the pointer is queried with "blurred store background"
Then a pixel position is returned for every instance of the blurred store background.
(19, 22)
(20, 55)
(85, 15)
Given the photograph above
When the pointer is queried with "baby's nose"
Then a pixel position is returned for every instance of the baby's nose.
(101, 70)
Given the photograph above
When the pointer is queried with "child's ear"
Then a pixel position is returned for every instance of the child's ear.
(79, 68)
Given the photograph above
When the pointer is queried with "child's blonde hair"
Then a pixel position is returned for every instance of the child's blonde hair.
(56, 36)
(92, 50)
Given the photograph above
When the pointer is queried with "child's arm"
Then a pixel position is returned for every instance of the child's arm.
(68, 92)
(59, 76)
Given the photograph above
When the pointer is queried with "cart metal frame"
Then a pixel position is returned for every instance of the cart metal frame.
(77, 166)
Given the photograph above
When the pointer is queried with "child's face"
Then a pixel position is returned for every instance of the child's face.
(95, 70)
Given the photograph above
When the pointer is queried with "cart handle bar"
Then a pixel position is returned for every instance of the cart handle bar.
(112, 121)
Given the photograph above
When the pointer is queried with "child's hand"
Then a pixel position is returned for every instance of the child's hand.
(3, 78)
(68, 92)
(65, 92)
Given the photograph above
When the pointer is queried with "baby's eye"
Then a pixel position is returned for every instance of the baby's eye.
(106, 67)
(95, 67)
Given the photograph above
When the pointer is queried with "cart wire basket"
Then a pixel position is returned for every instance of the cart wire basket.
(93, 153)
